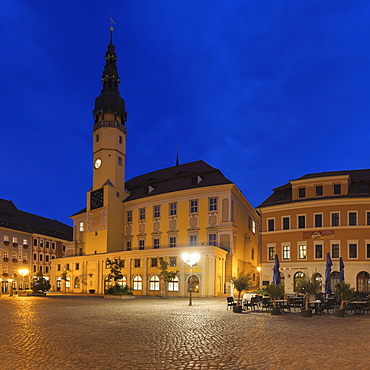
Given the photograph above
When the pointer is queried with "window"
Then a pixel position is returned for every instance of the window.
(253, 226)
(367, 218)
(286, 252)
(173, 209)
(46, 269)
(34, 256)
(364, 188)
(34, 242)
(119, 161)
(41, 244)
(120, 139)
(6, 238)
(212, 205)
(270, 224)
(337, 188)
(77, 266)
(47, 258)
(352, 218)
(154, 283)
(173, 285)
(212, 239)
(141, 244)
(301, 192)
(173, 261)
(154, 262)
(353, 251)
(271, 251)
(318, 220)
(156, 211)
(67, 265)
(156, 243)
(318, 251)
(138, 283)
(367, 250)
(172, 241)
(47, 244)
(52, 245)
(141, 213)
(128, 246)
(58, 267)
(335, 219)
(319, 190)
(81, 226)
(301, 222)
(129, 216)
(302, 252)
(194, 206)
(252, 253)
(34, 268)
(25, 242)
(286, 223)
(193, 240)
(15, 240)
(136, 262)
(97, 138)
(335, 250)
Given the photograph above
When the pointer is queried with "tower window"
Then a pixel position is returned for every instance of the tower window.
(119, 161)
(120, 139)
(97, 137)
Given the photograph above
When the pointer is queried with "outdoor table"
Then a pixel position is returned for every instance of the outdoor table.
(316, 303)
(358, 305)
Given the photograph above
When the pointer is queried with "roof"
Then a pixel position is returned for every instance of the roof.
(12, 218)
(283, 193)
(186, 176)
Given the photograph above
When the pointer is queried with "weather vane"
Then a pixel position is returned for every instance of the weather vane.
(112, 22)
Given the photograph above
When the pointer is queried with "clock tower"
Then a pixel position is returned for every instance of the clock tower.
(104, 231)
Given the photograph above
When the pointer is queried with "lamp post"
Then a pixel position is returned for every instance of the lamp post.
(259, 269)
(23, 273)
(190, 259)
(10, 287)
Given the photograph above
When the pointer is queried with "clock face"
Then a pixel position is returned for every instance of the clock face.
(97, 163)
(96, 199)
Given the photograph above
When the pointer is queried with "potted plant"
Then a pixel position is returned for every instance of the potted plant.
(308, 286)
(345, 293)
(241, 282)
(274, 292)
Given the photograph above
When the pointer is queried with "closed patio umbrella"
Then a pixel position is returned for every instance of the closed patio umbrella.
(329, 263)
(276, 278)
(341, 270)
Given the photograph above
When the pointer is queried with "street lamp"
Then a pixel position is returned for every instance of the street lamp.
(190, 259)
(259, 269)
(23, 272)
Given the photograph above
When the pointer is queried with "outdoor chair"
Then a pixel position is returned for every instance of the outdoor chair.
(252, 303)
(285, 307)
(266, 303)
(230, 302)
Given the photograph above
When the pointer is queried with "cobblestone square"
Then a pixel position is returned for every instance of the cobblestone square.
(89, 332)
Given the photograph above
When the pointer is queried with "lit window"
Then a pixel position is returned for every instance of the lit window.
(6, 237)
(271, 251)
(302, 252)
(154, 283)
(286, 252)
(173, 285)
(173, 261)
(253, 226)
(138, 283)
(193, 240)
(81, 226)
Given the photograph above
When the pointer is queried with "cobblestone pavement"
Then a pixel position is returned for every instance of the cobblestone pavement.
(89, 332)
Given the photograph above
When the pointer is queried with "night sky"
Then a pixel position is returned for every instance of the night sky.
(265, 91)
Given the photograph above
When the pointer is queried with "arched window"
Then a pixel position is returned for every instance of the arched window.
(173, 286)
(122, 282)
(59, 283)
(154, 283)
(193, 283)
(363, 282)
(77, 282)
(107, 283)
(334, 278)
(138, 283)
(298, 276)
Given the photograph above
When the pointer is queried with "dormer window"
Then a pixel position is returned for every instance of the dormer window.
(195, 180)
(148, 189)
(364, 188)
(301, 192)
(319, 190)
(337, 188)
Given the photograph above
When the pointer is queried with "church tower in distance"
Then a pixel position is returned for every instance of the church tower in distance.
(104, 200)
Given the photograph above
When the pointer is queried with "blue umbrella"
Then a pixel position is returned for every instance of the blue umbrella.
(327, 273)
(276, 278)
(341, 270)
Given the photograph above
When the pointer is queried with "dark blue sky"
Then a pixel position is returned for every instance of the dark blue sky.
(266, 91)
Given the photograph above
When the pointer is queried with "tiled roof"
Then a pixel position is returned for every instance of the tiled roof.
(283, 194)
(12, 218)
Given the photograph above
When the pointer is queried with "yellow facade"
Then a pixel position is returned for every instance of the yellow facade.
(321, 220)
